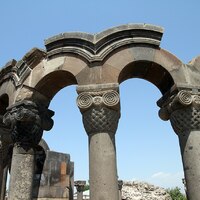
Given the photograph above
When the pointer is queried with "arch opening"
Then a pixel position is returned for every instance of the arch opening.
(53, 82)
(144, 140)
(149, 71)
(68, 134)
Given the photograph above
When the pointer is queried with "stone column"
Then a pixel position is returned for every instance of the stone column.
(27, 128)
(120, 184)
(5, 157)
(101, 113)
(183, 110)
(1, 181)
(4, 180)
(80, 186)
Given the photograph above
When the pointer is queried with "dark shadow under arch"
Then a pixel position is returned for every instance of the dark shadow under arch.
(50, 84)
(149, 71)
(4, 102)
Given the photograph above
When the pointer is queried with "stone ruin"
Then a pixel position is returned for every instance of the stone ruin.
(135, 190)
(128, 190)
(97, 64)
(54, 175)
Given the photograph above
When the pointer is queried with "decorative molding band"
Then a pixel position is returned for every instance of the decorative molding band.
(94, 56)
(96, 47)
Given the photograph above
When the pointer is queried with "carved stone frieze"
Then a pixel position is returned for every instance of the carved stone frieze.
(183, 110)
(100, 110)
(27, 123)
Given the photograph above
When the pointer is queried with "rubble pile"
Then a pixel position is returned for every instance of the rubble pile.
(135, 190)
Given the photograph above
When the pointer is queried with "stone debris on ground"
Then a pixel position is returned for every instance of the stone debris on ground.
(135, 190)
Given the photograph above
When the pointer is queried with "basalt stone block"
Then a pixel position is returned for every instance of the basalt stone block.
(53, 176)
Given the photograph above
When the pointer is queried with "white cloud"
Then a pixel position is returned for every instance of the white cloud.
(167, 180)
(160, 175)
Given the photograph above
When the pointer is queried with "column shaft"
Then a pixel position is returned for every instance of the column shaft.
(4, 180)
(183, 110)
(120, 184)
(1, 179)
(190, 150)
(100, 108)
(21, 178)
(103, 169)
(79, 195)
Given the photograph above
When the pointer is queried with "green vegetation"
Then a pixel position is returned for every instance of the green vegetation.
(87, 187)
(176, 194)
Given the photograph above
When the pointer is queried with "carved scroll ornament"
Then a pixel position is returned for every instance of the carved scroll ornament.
(27, 123)
(100, 111)
(183, 110)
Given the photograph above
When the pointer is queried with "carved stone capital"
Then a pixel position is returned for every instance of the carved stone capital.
(27, 123)
(100, 110)
(108, 98)
(177, 101)
(80, 185)
(183, 110)
(185, 120)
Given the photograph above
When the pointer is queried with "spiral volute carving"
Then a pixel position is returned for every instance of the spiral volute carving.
(84, 100)
(111, 98)
(108, 98)
(185, 98)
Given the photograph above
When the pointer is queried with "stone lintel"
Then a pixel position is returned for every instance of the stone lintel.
(97, 87)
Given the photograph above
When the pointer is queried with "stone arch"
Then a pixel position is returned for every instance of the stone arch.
(155, 65)
(50, 84)
(148, 71)
(98, 64)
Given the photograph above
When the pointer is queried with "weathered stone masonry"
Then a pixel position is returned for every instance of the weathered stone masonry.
(97, 64)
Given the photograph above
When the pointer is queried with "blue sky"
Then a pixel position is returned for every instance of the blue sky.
(147, 148)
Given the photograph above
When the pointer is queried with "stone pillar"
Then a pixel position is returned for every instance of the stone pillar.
(183, 110)
(27, 128)
(1, 181)
(4, 180)
(80, 186)
(5, 156)
(120, 184)
(101, 112)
